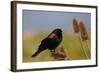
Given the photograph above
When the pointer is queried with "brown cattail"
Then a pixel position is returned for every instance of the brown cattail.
(83, 31)
(75, 26)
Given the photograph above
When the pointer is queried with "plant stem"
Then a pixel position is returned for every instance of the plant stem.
(82, 46)
(88, 48)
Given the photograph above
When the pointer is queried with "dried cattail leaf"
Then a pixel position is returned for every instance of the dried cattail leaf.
(75, 26)
(83, 31)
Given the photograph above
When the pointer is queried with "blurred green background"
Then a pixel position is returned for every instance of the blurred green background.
(70, 43)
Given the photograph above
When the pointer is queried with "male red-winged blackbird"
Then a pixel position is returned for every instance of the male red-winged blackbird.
(50, 42)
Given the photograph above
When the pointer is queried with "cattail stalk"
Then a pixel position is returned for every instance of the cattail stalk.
(83, 31)
(88, 48)
(77, 31)
(83, 47)
(84, 34)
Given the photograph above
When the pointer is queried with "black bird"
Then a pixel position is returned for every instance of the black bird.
(50, 42)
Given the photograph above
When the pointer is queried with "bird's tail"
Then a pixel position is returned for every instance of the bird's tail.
(37, 52)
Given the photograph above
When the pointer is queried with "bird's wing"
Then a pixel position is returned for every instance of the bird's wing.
(53, 35)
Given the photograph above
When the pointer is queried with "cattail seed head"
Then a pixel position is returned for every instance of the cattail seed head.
(83, 31)
(75, 26)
